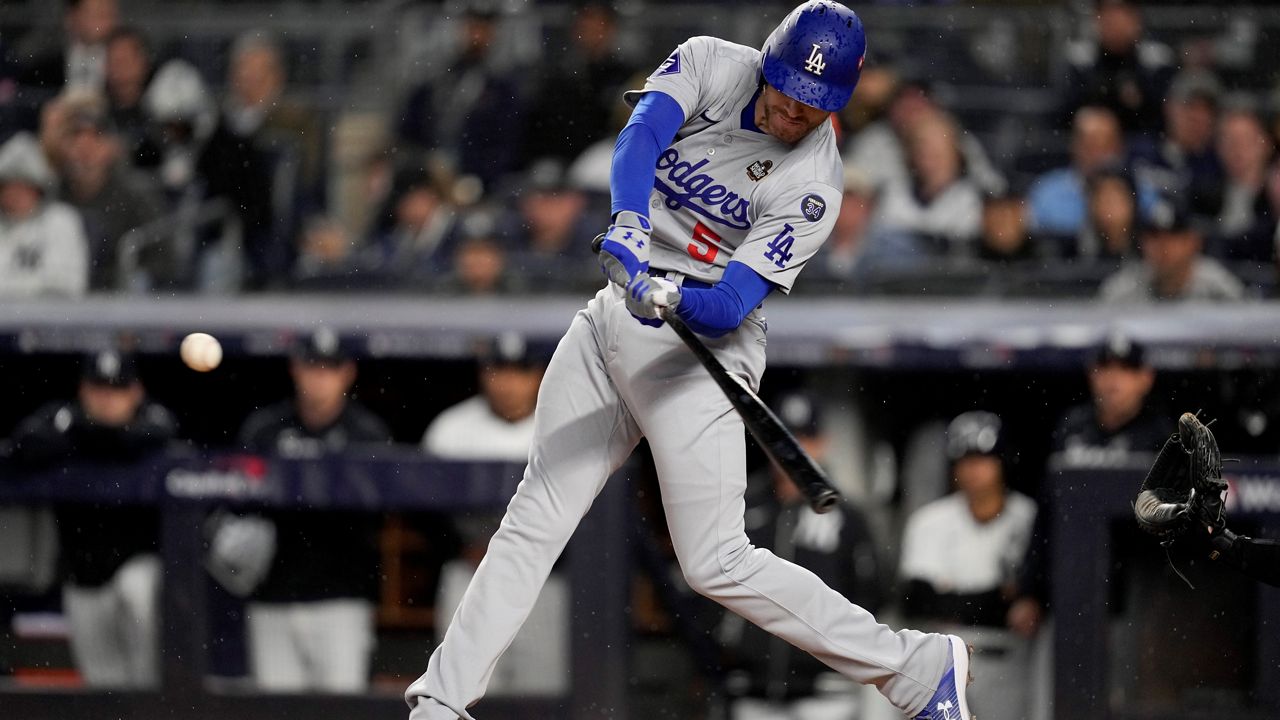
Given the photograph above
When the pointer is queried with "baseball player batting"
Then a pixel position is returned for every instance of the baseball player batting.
(726, 180)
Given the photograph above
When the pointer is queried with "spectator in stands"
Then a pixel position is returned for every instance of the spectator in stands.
(310, 621)
(1172, 266)
(1246, 223)
(497, 425)
(415, 234)
(43, 250)
(859, 249)
(589, 171)
(1186, 159)
(110, 553)
(201, 160)
(880, 148)
(326, 256)
(74, 58)
(936, 203)
(961, 556)
(1057, 198)
(551, 236)
(479, 268)
(1118, 421)
(839, 257)
(871, 98)
(769, 679)
(1006, 236)
(1120, 69)
(112, 197)
(575, 97)
(53, 128)
(480, 261)
(471, 114)
(258, 108)
(128, 71)
(1110, 231)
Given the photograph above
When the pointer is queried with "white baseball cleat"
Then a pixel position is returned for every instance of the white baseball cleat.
(948, 701)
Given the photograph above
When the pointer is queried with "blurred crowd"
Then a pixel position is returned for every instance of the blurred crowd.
(124, 168)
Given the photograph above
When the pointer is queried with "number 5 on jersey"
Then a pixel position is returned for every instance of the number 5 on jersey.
(705, 244)
(780, 247)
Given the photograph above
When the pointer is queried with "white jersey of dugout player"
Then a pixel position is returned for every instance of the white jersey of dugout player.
(724, 190)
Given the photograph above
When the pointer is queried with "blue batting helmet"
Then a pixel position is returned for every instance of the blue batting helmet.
(815, 55)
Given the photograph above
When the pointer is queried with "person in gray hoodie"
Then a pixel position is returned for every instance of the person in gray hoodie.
(43, 250)
(1173, 266)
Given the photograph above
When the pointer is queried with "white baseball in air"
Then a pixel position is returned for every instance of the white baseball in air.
(201, 352)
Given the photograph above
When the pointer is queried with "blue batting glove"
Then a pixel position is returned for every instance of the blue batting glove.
(624, 251)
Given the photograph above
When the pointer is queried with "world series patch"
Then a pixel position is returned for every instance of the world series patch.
(813, 208)
(758, 169)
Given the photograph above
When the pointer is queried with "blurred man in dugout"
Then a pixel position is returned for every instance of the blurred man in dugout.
(111, 593)
(1118, 420)
(961, 556)
(497, 425)
(310, 615)
(770, 679)
(1116, 424)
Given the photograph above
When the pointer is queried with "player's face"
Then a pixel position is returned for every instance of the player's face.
(511, 390)
(322, 384)
(126, 64)
(786, 119)
(18, 199)
(1170, 254)
(1096, 139)
(93, 20)
(979, 475)
(110, 405)
(1119, 390)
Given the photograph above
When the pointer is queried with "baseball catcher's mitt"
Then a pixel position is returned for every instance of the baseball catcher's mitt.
(1184, 487)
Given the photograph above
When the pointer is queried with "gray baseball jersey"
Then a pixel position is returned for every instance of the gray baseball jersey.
(726, 191)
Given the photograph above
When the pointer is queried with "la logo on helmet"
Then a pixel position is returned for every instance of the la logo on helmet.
(815, 63)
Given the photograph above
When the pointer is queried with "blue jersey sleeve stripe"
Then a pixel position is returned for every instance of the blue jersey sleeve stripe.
(652, 127)
(722, 307)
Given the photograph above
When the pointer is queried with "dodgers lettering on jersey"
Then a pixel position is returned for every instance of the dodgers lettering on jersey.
(725, 192)
(685, 185)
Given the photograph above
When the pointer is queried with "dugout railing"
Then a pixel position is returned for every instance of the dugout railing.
(903, 333)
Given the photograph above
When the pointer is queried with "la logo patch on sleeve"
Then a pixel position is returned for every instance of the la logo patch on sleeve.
(813, 207)
(670, 66)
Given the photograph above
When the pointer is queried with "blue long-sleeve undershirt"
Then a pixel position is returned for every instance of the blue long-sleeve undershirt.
(716, 310)
(650, 130)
